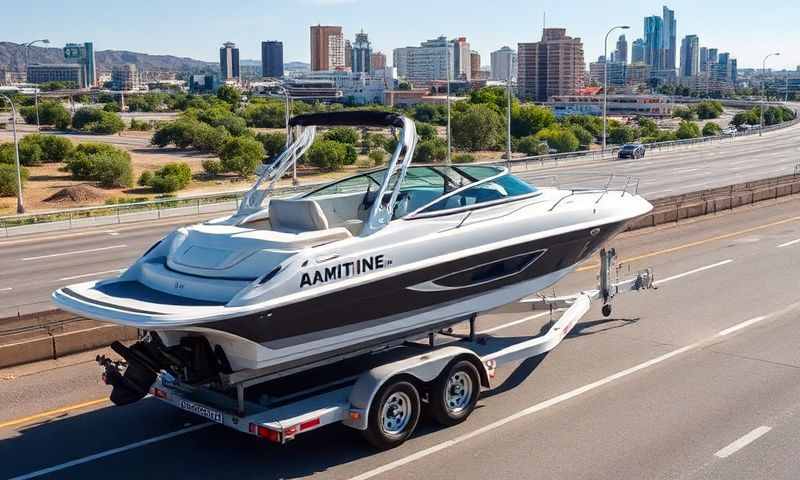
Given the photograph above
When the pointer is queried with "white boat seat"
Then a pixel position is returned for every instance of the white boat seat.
(296, 216)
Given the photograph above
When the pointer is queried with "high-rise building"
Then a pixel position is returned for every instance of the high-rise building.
(690, 56)
(504, 64)
(83, 55)
(272, 59)
(461, 60)
(429, 61)
(377, 61)
(400, 61)
(621, 53)
(713, 55)
(348, 55)
(653, 41)
(703, 59)
(616, 73)
(474, 64)
(362, 54)
(553, 66)
(229, 62)
(125, 77)
(669, 43)
(327, 47)
(637, 51)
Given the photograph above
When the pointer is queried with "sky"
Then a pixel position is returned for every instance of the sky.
(197, 28)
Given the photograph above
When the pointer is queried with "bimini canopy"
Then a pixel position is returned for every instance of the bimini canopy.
(356, 118)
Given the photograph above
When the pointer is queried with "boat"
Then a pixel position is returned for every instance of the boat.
(384, 255)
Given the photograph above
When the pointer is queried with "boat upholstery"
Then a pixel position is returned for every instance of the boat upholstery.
(296, 216)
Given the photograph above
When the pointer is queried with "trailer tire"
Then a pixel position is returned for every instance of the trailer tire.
(393, 414)
(455, 393)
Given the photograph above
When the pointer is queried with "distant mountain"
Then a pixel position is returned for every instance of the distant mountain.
(13, 55)
(297, 66)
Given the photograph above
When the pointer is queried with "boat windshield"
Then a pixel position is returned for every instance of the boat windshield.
(434, 188)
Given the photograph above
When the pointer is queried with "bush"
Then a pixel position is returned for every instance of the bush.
(145, 178)
(265, 114)
(219, 116)
(8, 179)
(711, 129)
(529, 119)
(50, 113)
(431, 151)
(209, 139)
(30, 150)
(229, 94)
(592, 124)
(97, 121)
(55, 148)
(480, 127)
(684, 113)
(377, 157)
(749, 117)
(327, 154)
(561, 139)
(532, 146)
(109, 166)
(112, 107)
(687, 130)
(346, 135)
(647, 127)
(708, 109)
(273, 142)
(585, 138)
(139, 125)
(621, 134)
(212, 166)
(241, 155)
(8, 155)
(390, 144)
(351, 155)
(426, 131)
(181, 133)
(171, 178)
(463, 158)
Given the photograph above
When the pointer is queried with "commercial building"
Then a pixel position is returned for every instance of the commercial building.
(272, 59)
(618, 105)
(426, 63)
(503, 64)
(356, 88)
(621, 53)
(125, 77)
(474, 64)
(400, 61)
(348, 55)
(653, 42)
(461, 59)
(377, 61)
(554, 66)
(57, 72)
(703, 59)
(83, 55)
(690, 56)
(362, 54)
(203, 83)
(670, 42)
(616, 73)
(229, 62)
(637, 51)
(327, 47)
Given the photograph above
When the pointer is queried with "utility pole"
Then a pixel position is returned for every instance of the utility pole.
(605, 83)
(447, 47)
(20, 206)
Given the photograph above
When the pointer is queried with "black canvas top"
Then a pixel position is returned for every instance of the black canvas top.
(367, 118)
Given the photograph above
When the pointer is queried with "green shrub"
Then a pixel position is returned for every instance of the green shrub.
(241, 155)
(431, 151)
(273, 142)
(8, 154)
(585, 138)
(93, 120)
(463, 158)
(479, 127)
(180, 133)
(708, 109)
(30, 150)
(111, 107)
(103, 163)
(621, 134)
(687, 130)
(56, 148)
(268, 114)
(426, 131)
(529, 119)
(212, 166)
(378, 157)
(351, 154)
(139, 125)
(209, 139)
(346, 135)
(50, 113)
(171, 178)
(684, 113)
(390, 144)
(8, 179)
(145, 178)
(558, 138)
(327, 154)
(219, 116)
(532, 146)
(647, 127)
(711, 129)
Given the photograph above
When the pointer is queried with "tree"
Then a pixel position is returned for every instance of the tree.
(684, 113)
(491, 96)
(559, 138)
(50, 113)
(207, 138)
(181, 133)
(480, 127)
(35, 149)
(106, 164)
(430, 151)
(93, 120)
(585, 138)
(531, 146)
(647, 127)
(592, 124)
(8, 179)
(273, 142)
(219, 116)
(327, 154)
(30, 150)
(618, 135)
(346, 135)
(242, 155)
(711, 129)
(708, 109)
(749, 117)
(435, 114)
(378, 157)
(265, 114)
(171, 178)
(687, 130)
(229, 94)
(529, 119)
(426, 131)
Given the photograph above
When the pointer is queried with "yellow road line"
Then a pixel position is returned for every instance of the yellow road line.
(695, 244)
(50, 413)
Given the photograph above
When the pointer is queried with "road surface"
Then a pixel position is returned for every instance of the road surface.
(697, 380)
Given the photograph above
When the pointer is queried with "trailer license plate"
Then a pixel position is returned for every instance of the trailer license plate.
(209, 413)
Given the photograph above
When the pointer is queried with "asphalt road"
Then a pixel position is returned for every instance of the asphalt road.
(696, 380)
(63, 258)
(118, 140)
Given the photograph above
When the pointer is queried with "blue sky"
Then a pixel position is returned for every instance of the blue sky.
(196, 28)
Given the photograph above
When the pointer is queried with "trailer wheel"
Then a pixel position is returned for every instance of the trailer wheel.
(455, 393)
(393, 415)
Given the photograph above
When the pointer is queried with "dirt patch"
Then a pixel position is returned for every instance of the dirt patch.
(76, 194)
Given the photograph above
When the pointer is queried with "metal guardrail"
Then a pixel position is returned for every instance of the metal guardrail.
(82, 217)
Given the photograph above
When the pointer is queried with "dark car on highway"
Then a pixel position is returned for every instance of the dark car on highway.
(631, 150)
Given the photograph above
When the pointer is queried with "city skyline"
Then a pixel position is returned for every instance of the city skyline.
(216, 23)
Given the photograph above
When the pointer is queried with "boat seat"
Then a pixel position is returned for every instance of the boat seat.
(296, 216)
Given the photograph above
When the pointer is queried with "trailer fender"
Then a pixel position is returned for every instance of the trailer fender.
(422, 368)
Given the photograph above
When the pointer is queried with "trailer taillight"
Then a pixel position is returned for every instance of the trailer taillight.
(264, 432)
(158, 393)
(309, 424)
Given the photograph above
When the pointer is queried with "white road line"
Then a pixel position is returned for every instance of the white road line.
(516, 322)
(742, 442)
(789, 243)
(113, 234)
(74, 252)
(692, 272)
(5, 289)
(740, 326)
(113, 451)
(91, 274)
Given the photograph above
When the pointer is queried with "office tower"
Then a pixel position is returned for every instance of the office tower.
(690, 56)
(504, 64)
(348, 55)
(703, 59)
(400, 61)
(461, 65)
(669, 43)
(229, 61)
(429, 61)
(713, 55)
(621, 53)
(653, 38)
(637, 51)
(272, 59)
(124, 77)
(474, 64)
(327, 47)
(377, 61)
(362, 53)
(552, 66)
(83, 55)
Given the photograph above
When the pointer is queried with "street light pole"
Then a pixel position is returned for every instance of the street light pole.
(764, 90)
(605, 82)
(447, 47)
(20, 206)
(508, 113)
(35, 90)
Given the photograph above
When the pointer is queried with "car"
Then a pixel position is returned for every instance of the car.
(729, 131)
(631, 150)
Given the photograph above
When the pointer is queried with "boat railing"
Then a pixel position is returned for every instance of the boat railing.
(585, 182)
